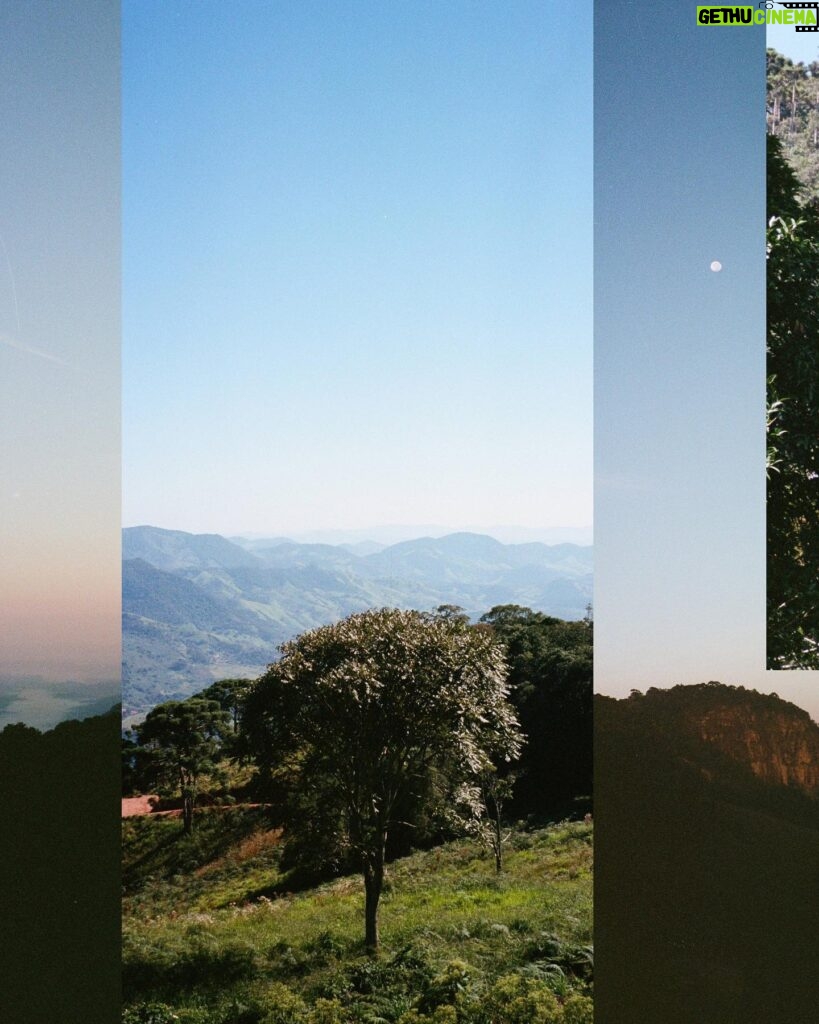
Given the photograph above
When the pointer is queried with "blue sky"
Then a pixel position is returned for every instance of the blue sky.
(799, 46)
(357, 264)
(680, 356)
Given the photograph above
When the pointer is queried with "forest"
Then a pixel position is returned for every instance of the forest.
(792, 365)
(391, 824)
(792, 116)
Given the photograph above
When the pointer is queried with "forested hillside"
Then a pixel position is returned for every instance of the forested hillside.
(200, 607)
(792, 366)
(549, 674)
(793, 116)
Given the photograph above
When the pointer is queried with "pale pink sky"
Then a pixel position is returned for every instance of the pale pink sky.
(59, 341)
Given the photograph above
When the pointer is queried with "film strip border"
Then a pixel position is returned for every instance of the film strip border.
(802, 7)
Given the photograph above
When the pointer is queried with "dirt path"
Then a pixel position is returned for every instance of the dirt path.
(133, 806)
(136, 806)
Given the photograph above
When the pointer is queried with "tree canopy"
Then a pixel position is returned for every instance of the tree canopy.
(180, 742)
(793, 117)
(382, 710)
(550, 676)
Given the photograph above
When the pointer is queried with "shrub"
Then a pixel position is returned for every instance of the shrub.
(451, 985)
(407, 971)
(196, 1015)
(325, 946)
(219, 964)
(327, 1011)
(440, 1015)
(280, 1005)
(149, 1013)
(578, 1010)
(514, 999)
(548, 949)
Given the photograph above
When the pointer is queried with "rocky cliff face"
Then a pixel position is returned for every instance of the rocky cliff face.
(779, 746)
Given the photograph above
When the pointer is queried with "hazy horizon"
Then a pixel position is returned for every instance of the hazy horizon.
(43, 703)
(393, 533)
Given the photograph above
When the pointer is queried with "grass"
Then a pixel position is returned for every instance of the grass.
(210, 927)
(230, 854)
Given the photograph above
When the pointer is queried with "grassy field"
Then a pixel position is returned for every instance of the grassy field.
(216, 933)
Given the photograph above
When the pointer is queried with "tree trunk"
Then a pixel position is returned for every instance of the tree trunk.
(373, 883)
(372, 890)
(187, 812)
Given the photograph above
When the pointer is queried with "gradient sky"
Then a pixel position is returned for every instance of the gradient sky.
(59, 342)
(680, 355)
(357, 264)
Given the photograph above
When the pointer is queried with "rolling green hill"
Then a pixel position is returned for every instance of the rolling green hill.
(215, 928)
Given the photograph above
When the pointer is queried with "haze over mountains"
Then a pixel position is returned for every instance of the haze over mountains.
(394, 533)
(43, 703)
(198, 607)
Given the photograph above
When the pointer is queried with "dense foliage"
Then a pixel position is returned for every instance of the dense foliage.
(793, 363)
(179, 744)
(793, 116)
(793, 415)
(550, 678)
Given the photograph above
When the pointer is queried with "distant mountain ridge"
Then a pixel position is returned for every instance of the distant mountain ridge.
(772, 739)
(197, 607)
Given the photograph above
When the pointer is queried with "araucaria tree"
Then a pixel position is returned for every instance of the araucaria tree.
(180, 742)
(358, 717)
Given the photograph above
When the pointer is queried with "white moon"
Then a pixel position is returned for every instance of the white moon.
(716, 266)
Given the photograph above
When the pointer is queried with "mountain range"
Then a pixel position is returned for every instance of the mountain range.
(198, 607)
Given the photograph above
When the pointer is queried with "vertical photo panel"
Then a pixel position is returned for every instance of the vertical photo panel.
(357, 561)
(792, 123)
(706, 781)
(60, 625)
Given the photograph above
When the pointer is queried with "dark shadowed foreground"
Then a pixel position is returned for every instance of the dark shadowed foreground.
(59, 873)
(707, 886)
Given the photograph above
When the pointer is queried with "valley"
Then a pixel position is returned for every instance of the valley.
(201, 607)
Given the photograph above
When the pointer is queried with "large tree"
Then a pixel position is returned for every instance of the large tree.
(180, 742)
(229, 694)
(357, 717)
